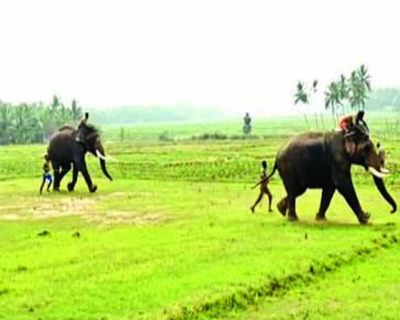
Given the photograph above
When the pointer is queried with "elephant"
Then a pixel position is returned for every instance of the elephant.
(68, 146)
(323, 160)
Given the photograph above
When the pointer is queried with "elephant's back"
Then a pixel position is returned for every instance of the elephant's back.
(301, 143)
(304, 158)
(307, 137)
(61, 146)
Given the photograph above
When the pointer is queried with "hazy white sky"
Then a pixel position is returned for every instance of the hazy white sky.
(237, 54)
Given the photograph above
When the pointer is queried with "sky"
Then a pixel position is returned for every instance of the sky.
(240, 55)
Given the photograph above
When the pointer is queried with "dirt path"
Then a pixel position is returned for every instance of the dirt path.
(40, 208)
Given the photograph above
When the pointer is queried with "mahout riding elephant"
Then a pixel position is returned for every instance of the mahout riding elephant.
(323, 160)
(68, 147)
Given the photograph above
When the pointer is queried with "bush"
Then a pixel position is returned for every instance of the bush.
(164, 136)
(211, 136)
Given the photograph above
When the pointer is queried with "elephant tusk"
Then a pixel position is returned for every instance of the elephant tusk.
(376, 173)
(352, 133)
(99, 155)
(384, 170)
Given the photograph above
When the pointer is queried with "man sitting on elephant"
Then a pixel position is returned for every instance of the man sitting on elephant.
(349, 124)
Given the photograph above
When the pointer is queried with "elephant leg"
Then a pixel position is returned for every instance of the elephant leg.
(291, 200)
(327, 194)
(292, 216)
(72, 184)
(346, 188)
(282, 206)
(293, 190)
(64, 170)
(56, 172)
(82, 167)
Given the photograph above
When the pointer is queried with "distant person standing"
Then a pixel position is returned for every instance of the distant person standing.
(247, 124)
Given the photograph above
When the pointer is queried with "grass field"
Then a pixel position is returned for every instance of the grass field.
(172, 237)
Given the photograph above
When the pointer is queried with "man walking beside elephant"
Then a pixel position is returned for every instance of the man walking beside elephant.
(46, 175)
(263, 188)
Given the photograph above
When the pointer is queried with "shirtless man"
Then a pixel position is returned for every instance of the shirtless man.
(263, 188)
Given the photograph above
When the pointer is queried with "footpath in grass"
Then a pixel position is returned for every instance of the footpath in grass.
(195, 243)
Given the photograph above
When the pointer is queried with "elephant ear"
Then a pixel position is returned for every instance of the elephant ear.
(350, 147)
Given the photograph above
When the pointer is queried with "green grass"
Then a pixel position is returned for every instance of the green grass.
(171, 236)
(365, 289)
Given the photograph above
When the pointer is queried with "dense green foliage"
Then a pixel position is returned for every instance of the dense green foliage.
(34, 123)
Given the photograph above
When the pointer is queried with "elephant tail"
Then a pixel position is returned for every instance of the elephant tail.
(264, 164)
(273, 171)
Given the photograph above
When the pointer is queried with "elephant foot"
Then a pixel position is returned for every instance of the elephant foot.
(282, 207)
(71, 186)
(363, 218)
(57, 189)
(292, 217)
(93, 188)
(320, 217)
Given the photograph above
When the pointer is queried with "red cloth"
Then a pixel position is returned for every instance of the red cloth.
(346, 122)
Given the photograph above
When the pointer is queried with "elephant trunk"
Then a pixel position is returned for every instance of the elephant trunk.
(104, 169)
(102, 158)
(385, 194)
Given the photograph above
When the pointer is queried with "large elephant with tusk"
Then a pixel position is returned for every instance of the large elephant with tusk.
(323, 161)
(69, 146)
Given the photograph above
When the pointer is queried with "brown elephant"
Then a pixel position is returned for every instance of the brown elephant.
(69, 146)
(322, 161)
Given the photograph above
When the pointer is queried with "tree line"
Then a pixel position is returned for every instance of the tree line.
(348, 94)
(34, 123)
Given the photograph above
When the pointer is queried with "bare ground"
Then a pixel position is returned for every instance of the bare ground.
(51, 207)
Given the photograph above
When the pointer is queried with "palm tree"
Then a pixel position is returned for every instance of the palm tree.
(354, 90)
(303, 96)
